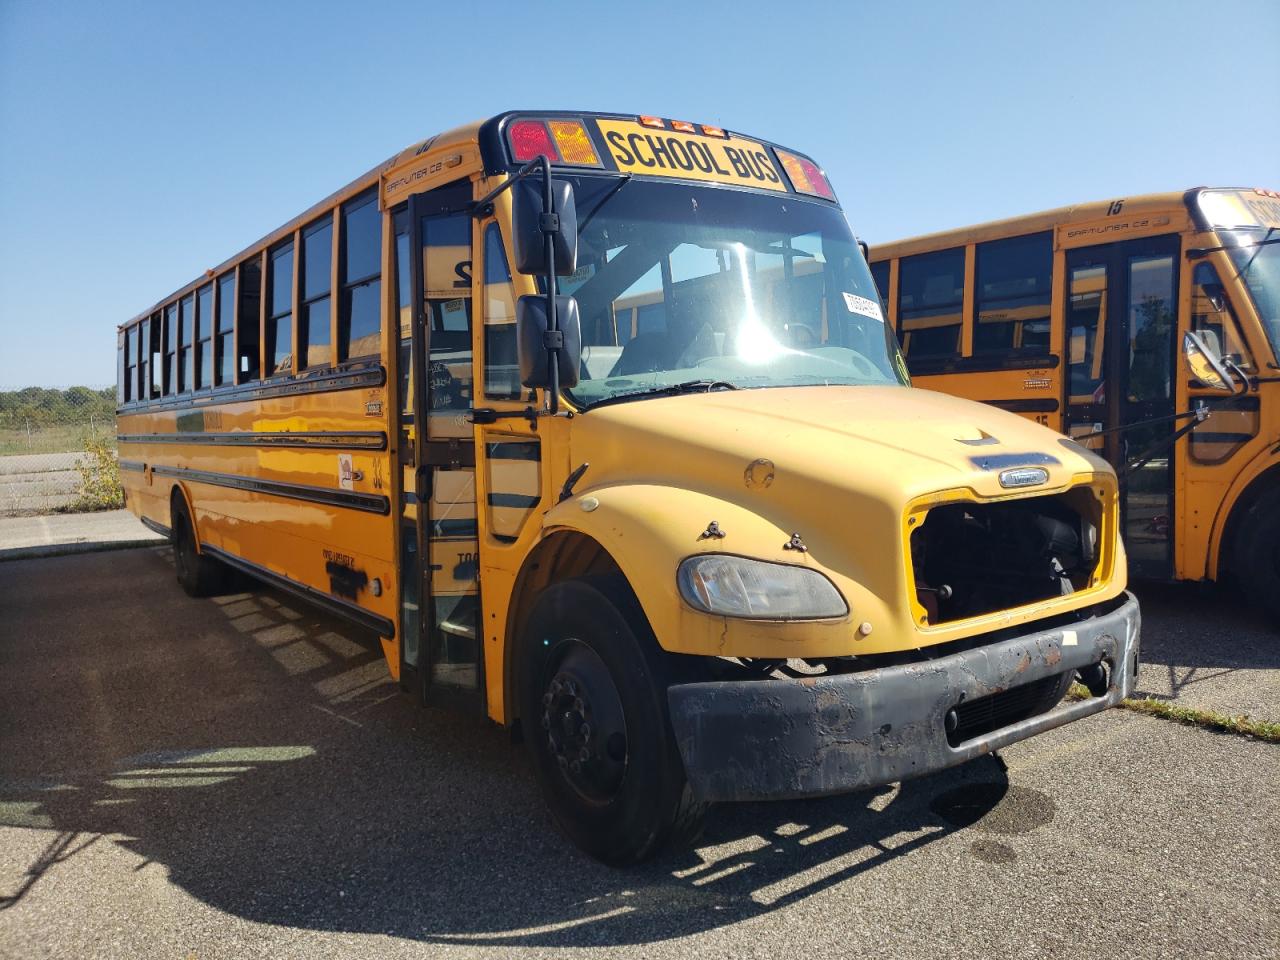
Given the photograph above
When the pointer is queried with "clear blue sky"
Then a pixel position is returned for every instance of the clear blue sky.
(141, 143)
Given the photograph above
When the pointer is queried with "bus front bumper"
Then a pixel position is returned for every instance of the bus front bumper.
(772, 739)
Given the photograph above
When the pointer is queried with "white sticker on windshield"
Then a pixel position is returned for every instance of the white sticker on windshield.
(868, 308)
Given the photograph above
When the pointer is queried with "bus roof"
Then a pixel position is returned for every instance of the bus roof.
(1033, 223)
(483, 137)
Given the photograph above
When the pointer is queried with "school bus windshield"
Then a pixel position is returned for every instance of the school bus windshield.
(1259, 266)
(678, 283)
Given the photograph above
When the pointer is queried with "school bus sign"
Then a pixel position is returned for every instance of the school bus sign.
(667, 153)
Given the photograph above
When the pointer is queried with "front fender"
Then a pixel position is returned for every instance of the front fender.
(648, 529)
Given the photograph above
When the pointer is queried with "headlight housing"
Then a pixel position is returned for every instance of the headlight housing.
(731, 586)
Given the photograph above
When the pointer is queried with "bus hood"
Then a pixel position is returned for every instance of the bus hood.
(891, 444)
(847, 469)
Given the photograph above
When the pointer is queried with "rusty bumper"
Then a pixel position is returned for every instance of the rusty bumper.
(768, 739)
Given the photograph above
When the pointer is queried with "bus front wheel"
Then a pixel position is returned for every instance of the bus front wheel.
(1256, 563)
(594, 712)
(199, 575)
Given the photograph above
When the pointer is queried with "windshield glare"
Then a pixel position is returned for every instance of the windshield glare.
(1259, 266)
(680, 283)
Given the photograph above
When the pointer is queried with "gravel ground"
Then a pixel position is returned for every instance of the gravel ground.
(237, 778)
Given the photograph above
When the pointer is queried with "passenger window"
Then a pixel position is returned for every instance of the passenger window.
(186, 352)
(880, 274)
(130, 363)
(1213, 319)
(144, 354)
(249, 330)
(317, 262)
(1011, 303)
(280, 317)
(156, 347)
(930, 295)
(226, 371)
(359, 321)
(501, 369)
(171, 350)
(204, 337)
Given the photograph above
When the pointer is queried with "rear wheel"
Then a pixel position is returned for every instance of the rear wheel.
(1256, 561)
(199, 575)
(594, 709)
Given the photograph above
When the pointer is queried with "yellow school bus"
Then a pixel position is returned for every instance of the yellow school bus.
(596, 422)
(1077, 318)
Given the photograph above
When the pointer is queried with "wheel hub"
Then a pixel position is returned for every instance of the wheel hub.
(584, 725)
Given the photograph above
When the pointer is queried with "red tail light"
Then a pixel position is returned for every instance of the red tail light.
(531, 139)
(805, 176)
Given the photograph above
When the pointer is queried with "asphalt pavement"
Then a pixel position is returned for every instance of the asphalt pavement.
(237, 777)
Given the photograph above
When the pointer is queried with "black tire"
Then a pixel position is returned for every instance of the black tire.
(1256, 558)
(593, 706)
(199, 575)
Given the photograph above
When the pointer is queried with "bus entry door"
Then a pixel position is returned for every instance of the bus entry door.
(1121, 324)
(447, 655)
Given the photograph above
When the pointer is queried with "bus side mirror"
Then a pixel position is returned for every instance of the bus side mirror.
(534, 341)
(1205, 365)
(866, 250)
(527, 227)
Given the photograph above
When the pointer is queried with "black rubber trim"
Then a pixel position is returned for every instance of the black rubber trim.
(515, 450)
(131, 464)
(367, 502)
(343, 608)
(512, 500)
(325, 439)
(927, 367)
(326, 382)
(158, 527)
(1206, 436)
(1025, 406)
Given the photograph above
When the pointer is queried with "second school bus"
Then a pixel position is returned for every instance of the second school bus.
(595, 420)
(1077, 317)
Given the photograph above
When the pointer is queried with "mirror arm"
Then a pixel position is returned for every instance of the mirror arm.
(484, 206)
(553, 339)
(549, 222)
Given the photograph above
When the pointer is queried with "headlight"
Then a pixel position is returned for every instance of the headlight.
(737, 587)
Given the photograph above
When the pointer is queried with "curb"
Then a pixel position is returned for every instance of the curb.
(66, 549)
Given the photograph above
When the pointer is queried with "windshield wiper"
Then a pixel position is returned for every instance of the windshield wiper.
(669, 390)
(1261, 243)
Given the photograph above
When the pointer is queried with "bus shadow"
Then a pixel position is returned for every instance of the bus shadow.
(1198, 635)
(339, 805)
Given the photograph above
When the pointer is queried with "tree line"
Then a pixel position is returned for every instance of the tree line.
(48, 406)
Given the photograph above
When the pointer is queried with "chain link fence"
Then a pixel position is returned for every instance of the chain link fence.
(57, 450)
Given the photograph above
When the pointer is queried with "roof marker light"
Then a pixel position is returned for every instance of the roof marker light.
(713, 131)
(683, 126)
(530, 139)
(653, 122)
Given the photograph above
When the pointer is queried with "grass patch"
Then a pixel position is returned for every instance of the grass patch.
(1194, 717)
(60, 438)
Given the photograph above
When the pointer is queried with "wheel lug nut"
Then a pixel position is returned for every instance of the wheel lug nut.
(585, 730)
